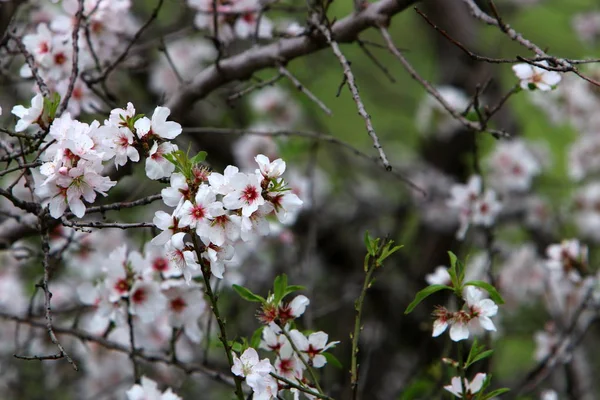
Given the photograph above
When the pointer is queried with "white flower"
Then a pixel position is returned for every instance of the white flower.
(185, 306)
(184, 259)
(566, 258)
(198, 215)
(249, 366)
(439, 276)
(168, 224)
(313, 346)
(156, 165)
(298, 305)
(548, 395)
(146, 300)
(148, 390)
(456, 388)
(178, 190)
(286, 205)
(246, 194)
(533, 77)
(481, 309)
(158, 125)
(268, 169)
(221, 182)
(513, 166)
(29, 116)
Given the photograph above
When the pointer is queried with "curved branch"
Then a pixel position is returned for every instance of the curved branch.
(244, 65)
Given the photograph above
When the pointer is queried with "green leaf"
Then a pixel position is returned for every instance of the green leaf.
(331, 359)
(495, 393)
(386, 252)
(479, 357)
(293, 288)
(494, 295)
(423, 294)
(370, 244)
(279, 287)
(452, 270)
(256, 336)
(198, 158)
(247, 294)
(237, 347)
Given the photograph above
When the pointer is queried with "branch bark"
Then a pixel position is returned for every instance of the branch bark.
(242, 66)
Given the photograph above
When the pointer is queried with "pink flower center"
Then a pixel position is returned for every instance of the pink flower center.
(121, 286)
(178, 305)
(250, 194)
(198, 212)
(60, 58)
(160, 264)
(139, 296)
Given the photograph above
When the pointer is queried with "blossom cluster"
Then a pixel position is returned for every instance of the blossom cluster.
(234, 19)
(293, 351)
(217, 209)
(475, 206)
(50, 42)
(474, 318)
(74, 152)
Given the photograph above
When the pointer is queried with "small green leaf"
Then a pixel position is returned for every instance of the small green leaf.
(423, 294)
(237, 347)
(247, 294)
(256, 336)
(279, 287)
(494, 295)
(198, 158)
(331, 359)
(495, 393)
(386, 252)
(293, 288)
(452, 270)
(479, 357)
(370, 244)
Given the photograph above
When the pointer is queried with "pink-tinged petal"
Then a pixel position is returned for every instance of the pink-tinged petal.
(439, 327)
(477, 383)
(486, 323)
(298, 305)
(523, 71)
(455, 387)
(459, 332)
(487, 307)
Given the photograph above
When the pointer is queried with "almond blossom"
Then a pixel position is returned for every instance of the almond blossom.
(470, 388)
(182, 257)
(533, 77)
(157, 166)
(146, 300)
(312, 346)
(474, 206)
(474, 318)
(246, 194)
(254, 370)
(29, 116)
(148, 390)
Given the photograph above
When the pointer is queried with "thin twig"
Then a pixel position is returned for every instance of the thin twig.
(283, 71)
(47, 293)
(75, 64)
(354, 90)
